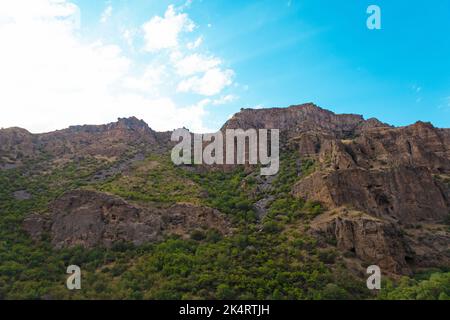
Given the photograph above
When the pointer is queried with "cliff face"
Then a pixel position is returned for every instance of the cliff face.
(397, 175)
(295, 120)
(385, 190)
(371, 239)
(403, 193)
(90, 219)
(397, 178)
(396, 172)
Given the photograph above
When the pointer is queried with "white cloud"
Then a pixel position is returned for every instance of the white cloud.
(224, 100)
(205, 75)
(195, 63)
(24, 10)
(210, 84)
(195, 44)
(51, 78)
(259, 106)
(152, 77)
(106, 14)
(163, 32)
(129, 36)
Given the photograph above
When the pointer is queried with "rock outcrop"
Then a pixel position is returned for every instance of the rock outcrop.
(384, 171)
(89, 219)
(371, 239)
(407, 194)
(395, 175)
(295, 120)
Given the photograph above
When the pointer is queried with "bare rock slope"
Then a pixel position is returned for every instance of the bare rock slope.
(90, 219)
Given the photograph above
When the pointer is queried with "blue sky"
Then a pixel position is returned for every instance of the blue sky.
(275, 53)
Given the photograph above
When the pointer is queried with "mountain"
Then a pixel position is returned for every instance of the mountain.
(350, 193)
(295, 120)
(387, 188)
(109, 140)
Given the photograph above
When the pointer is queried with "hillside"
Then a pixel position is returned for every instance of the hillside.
(350, 193)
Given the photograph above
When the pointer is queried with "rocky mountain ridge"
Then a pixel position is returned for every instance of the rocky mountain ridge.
(298, 119)
(385, 190)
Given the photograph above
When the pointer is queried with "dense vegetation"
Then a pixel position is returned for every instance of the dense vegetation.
(434, 286)
(267, 257)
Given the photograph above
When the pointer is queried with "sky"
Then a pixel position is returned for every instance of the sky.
(194, 63)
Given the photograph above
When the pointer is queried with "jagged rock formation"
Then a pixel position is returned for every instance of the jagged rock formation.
(295, 120)
(393, 174)
(90, 219)
(403, 193)
(369, 238)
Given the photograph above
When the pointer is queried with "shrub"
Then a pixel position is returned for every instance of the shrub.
(272, 227)
(198, 235)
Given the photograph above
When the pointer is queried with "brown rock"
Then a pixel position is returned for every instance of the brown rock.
(375, 241)
(112, 140)
(36, 225)
(301, 118)
(405, 193)
(89, 219)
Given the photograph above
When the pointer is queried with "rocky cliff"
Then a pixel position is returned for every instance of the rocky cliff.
(295, 120)
(396, 178)
(385, 191)
(88, 219)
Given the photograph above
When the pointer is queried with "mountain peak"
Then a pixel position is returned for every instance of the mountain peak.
(300, 118)
(15, 130)
(132, 123)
